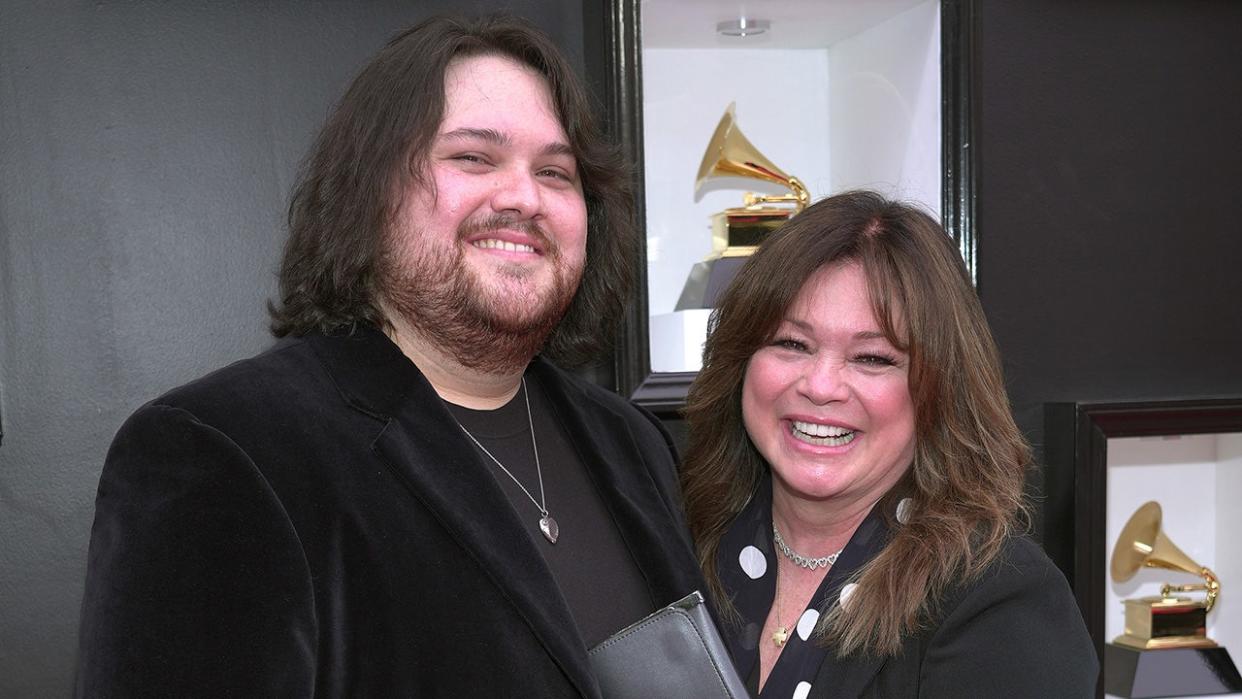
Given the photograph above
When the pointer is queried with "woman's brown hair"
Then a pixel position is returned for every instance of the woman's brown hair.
(970, 458)
(377, 138)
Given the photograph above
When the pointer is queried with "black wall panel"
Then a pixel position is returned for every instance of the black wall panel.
(147, 150)
(1110, 246)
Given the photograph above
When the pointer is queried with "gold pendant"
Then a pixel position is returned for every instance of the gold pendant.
(780, 636)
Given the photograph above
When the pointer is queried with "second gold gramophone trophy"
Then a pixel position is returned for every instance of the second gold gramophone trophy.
(1164, 650)
(736, 231)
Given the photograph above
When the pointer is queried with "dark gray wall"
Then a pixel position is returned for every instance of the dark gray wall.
(1110, 248)
(146, 154)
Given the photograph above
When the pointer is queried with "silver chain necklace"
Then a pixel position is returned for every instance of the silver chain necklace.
(797, 558)
(547, 525)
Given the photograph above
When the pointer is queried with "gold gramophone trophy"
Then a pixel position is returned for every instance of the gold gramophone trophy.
(1164, 650)
(737, 231)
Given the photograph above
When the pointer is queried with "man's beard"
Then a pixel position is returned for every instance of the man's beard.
(487, 330)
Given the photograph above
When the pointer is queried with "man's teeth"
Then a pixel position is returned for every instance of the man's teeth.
(492, 243)
(822, 435)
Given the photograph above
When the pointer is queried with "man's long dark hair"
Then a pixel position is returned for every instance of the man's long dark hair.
(376, 141)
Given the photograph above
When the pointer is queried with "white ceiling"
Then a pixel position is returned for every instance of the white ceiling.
(796, 24)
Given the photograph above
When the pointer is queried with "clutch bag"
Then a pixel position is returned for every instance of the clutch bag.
(674, 652)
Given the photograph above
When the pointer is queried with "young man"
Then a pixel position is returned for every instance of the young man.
(405, 497)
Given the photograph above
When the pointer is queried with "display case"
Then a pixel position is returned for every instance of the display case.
(1106, 460)
(899, 120)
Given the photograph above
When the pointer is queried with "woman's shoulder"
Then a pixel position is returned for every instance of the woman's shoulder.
(1025, 561)
(1015, 625)
(1020, 575)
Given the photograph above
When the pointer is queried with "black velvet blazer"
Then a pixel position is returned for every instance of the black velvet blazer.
(311, 521)
(1014, 632)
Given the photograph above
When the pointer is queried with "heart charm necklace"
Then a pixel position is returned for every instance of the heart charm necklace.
(551, 530)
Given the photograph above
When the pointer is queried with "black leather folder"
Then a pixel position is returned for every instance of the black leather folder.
(674, 652)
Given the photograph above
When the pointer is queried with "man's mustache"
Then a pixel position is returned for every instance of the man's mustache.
(498, 221)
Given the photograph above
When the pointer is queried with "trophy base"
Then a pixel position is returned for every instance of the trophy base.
(707, 282)
(1164, 642)
(1174, 672)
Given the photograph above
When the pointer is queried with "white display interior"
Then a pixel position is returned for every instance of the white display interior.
(685, 92)
(861, 112)
(682, 333)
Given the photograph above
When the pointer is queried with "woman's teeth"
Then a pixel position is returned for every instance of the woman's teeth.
(822, 435)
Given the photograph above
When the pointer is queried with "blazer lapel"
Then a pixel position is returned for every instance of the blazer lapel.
(427, 451)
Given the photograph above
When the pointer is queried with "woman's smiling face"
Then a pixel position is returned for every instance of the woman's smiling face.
(827, 400)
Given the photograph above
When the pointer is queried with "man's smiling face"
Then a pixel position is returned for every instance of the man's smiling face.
(494, 238)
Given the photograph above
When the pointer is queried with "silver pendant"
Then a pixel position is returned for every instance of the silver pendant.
(550, 530)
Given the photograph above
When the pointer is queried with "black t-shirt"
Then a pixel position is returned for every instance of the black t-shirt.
(593, 569)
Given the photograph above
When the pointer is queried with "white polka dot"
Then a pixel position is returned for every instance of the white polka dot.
(846, 592)
(806, 623)
(753, 563)
(802, 691)
(904, 508)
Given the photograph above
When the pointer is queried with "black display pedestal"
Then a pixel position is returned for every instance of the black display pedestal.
(708, 280)
(1172, 672)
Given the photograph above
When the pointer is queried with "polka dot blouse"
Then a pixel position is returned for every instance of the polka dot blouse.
(747, 569)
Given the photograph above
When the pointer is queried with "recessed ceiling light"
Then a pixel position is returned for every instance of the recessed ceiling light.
(743, 26)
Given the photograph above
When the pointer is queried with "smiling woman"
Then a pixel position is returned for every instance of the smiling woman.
(827, 402)
(854, 475)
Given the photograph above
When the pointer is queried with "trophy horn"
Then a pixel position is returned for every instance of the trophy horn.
(730, 153)
(1143, 544)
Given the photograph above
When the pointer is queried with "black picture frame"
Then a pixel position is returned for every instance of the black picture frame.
(1076, 480)
(664, 393)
